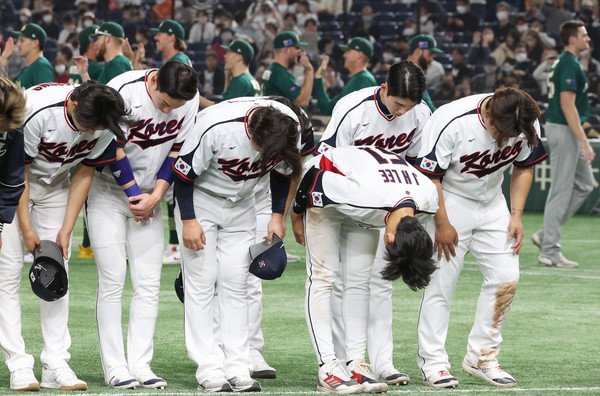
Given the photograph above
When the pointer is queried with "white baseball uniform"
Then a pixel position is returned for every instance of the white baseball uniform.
(219, 160)
(361, 119)
(351, 192)
(457, 146)
(140, 244)
(52, 146)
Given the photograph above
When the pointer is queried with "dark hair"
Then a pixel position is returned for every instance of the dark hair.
(277, 136)
(12, 105)
(180, 44)
(411, 255)
(290, 15)
(306, 126)
(513, 112)
(177, 80)
(406, 80)
(100, 105)
(569, 29)
(66, 51)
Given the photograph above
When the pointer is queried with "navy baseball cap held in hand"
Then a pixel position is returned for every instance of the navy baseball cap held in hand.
(48, 275)
(179, 287)
(268, 260)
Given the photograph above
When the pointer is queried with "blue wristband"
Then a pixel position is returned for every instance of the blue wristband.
(166, 172)
(121, 171)
(133, 191)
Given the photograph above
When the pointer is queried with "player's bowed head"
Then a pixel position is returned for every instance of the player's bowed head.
(94, 106)
(510, 112)
(12, 105)
(409, 250)
(276, 136)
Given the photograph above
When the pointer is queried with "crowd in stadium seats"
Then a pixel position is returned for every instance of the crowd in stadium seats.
(486, 44)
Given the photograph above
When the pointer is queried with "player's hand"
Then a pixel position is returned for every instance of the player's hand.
(305, 62)
(515, 231)
(31, 240)
(140, 54)
(9, 48)
(588, 152)
(63, 238)
(275, 226)
(193, 235)
(81, 62)
(127, 50)
(322, 67)
(446, 238)
(298, 228)
(142, 206)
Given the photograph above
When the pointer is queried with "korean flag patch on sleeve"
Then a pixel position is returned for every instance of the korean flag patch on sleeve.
(317, 199)
(428, 164)
(182, 167)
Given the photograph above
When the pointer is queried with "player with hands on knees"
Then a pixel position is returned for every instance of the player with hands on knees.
(350, 198)
(233, 144)
(466, 147)
(164, 103)
(66, 126)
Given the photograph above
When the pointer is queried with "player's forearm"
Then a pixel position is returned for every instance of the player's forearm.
(520, 183)
(291, 195)
(78, 192)
(204, 103)
(574, 122)
(303, 99)
(441, 217)
(23, 207)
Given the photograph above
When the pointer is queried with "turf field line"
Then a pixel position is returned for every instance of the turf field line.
(393, 391)
(564, 273)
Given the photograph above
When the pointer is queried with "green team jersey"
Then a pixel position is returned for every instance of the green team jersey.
(40, 71)
(428, 101)
(567, 75)
(277, 80)
(360, 80)
(181, 57)
(242, 85)
(94, 70)
(118, 65)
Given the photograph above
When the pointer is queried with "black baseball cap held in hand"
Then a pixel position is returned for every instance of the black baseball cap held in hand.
(48, 275)
(268, 260)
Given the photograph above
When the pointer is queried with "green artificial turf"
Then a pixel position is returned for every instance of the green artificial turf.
(551, 338)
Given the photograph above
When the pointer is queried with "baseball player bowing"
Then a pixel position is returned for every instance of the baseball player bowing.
(232, 145)
(352, 193)
(390, 117)
(470, 142)
(12, 154)
(164, 103)
(64, 128)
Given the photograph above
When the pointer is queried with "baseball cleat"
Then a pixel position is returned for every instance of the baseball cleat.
(361, 372)
(244, 384)
(494, 375)
(334, 378)
(148, 379)
(394, 377)
(442, 379)
(62, 378)
(215, 385)
(260, 368)
(85, 253)
(559, 261)
(123, 380)
(24, 380)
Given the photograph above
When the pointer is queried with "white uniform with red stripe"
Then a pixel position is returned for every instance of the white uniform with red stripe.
(52, 147)
(351, 191)
(219, 159)
(457, 146)
(361, 119)
(138, 245)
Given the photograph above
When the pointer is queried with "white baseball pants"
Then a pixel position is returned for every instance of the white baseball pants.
(118, 240)
(47, 210)
(482, 230)
(229, 228)
(336, 245)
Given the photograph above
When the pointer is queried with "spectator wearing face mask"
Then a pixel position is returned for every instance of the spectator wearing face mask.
(304, 13)
(203, 30)
(504, 25)
(24, 18)
(482, 46)
(523, 69)
(464, 20)
(62, 64)
(48, 23)
(225, 38)
(486, 81)
(87, 19)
